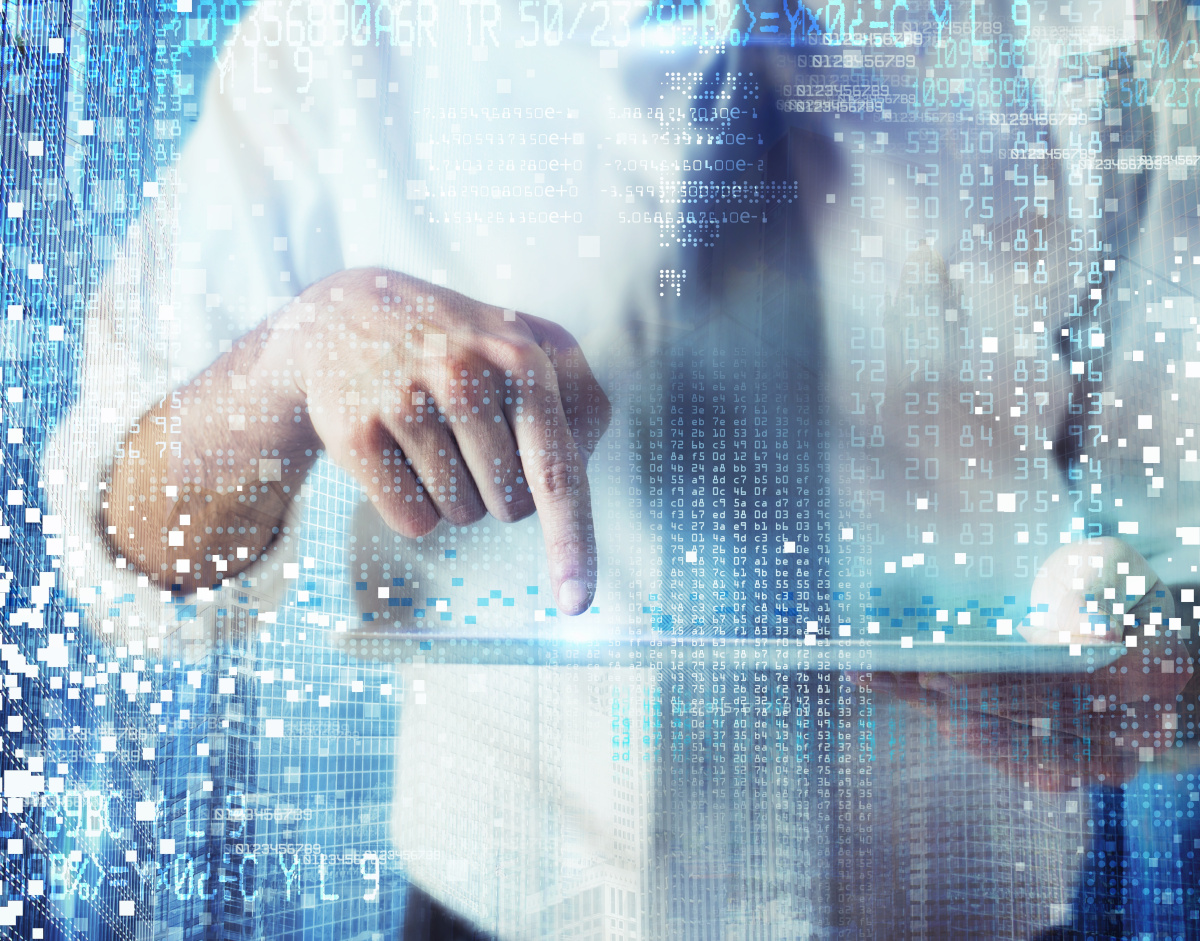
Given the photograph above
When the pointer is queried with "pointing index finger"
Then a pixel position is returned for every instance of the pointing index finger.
(556, 473)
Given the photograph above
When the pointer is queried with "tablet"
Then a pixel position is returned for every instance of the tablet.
(1008, 655)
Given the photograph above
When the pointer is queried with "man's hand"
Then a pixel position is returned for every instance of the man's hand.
(1059, 731)
(444, 408)
(441, 407)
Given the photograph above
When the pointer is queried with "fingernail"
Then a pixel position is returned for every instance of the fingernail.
(573, 595)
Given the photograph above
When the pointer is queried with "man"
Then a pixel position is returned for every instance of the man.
(427, 352)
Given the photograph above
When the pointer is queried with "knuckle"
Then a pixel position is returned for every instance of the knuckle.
(553, 333)
(560, 338)
(565, 339)
(513, 352)
(454, 370)
(361, 439)
(410, 403)
(454, 385)
(558, 478)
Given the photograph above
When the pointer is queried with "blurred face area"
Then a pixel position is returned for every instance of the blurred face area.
(990, 231)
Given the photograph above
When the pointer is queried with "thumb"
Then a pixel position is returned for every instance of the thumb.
(1087, 592)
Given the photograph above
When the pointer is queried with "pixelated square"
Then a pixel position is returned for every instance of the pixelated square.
(871, 246)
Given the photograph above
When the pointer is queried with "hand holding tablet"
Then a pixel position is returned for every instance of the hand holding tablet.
(1058, 730)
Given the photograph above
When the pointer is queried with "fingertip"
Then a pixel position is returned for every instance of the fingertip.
(574, 596)
(411, 522)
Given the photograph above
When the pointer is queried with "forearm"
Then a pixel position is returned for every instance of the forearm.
(202, 483)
